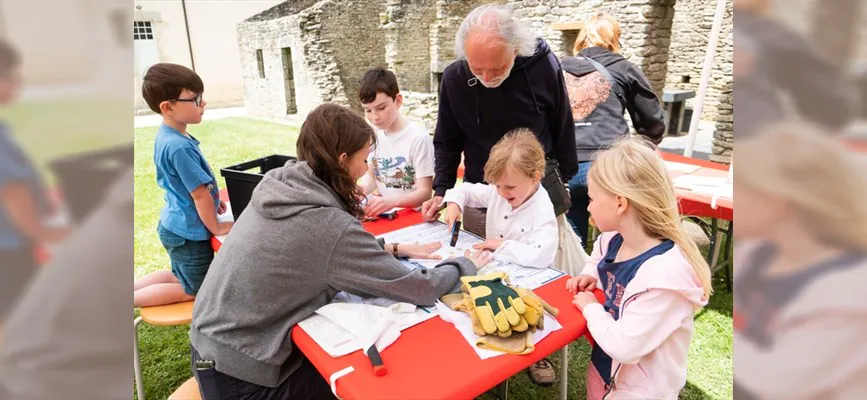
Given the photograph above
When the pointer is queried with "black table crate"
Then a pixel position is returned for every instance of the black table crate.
(84, 179)
(240, 182)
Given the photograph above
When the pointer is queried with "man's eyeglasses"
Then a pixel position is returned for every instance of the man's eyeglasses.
(197, 100)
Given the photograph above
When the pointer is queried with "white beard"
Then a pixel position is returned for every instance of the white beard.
(499, 81)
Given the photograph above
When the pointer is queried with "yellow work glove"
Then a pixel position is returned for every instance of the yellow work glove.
(498, 306)
(461, 302)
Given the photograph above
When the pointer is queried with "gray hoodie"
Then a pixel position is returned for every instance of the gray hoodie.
(289, 253)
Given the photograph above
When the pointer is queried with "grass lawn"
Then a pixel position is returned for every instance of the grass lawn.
(165, 350)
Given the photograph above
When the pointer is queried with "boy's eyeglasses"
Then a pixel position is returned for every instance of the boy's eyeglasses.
(197, 100)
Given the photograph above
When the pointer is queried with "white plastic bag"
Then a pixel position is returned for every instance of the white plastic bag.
(571, 256)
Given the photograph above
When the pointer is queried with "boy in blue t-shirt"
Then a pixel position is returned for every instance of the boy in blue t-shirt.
(189, 217)
(24, 203)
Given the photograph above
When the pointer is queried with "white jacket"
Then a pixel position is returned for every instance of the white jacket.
(529, 232)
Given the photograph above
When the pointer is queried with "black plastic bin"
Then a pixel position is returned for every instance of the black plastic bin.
(84, 179)
(240, 183)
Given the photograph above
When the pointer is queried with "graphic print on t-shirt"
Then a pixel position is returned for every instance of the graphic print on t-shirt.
(586, 92)
(394, 173)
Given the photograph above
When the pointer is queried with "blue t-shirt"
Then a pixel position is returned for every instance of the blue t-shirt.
(613, 278)
(181, 168)
(15, 167)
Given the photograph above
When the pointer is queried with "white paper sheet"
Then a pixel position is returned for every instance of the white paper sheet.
(526, 277)
(690, 181)
(464, 325)
(337, 341)
(681, 167)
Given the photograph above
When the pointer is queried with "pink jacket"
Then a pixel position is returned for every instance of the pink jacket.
(819, 349)
(648, 345)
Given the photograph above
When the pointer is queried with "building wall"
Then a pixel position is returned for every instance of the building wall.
(645, 24)
(332, 44)
(267, 97)
(406, 24)
(350, 33)
(212, 26)
(59, 37)
(693, 20)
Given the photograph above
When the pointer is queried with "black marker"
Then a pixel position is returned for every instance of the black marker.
(376, 360)
(456, 229)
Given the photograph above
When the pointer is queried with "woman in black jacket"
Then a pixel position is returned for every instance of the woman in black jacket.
(602, 85)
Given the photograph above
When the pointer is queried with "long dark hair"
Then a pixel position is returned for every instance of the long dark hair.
(329, 131)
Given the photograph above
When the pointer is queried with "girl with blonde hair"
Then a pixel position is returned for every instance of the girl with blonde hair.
(653, 276)
(602, 86)
(799, 313)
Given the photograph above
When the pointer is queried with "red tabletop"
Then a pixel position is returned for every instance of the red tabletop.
(699, 204)
(432, 359)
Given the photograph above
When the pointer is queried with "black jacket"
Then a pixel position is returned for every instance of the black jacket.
(598, 105)
(473, 118)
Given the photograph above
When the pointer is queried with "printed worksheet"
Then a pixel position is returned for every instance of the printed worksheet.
(526, 277)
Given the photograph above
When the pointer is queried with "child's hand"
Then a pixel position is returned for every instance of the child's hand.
(378, 205)
(582, 299)
(581, 283)
(222, 208)
(490, 244)
(479, 258)
(453, 213)
(223, 228)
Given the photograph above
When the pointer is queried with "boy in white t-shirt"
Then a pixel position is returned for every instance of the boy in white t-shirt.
(401, 167)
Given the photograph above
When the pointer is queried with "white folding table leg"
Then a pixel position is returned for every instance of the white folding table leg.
(139, 383)
(564, 372)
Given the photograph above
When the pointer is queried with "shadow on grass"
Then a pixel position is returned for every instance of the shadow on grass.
(692, 392)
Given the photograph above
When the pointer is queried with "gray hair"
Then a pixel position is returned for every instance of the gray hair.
(496, 18)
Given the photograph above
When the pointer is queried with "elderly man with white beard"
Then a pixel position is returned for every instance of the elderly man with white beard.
(504, 78)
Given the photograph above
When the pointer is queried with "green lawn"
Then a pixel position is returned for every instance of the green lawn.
(165, 350)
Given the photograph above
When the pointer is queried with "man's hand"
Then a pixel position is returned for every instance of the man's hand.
(430, 209)
(377, 205)
(221, 209)
(582, 299)
(490, 244)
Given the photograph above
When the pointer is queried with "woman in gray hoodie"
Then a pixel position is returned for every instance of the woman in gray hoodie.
(291, 251)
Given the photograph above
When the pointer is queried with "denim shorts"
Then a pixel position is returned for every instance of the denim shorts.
(190, 259)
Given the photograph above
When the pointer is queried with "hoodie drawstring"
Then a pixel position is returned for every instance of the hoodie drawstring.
(532, 93)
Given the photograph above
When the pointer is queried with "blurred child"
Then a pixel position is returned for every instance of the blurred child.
(402, 164)
(189, 218)
(799, 313)
(644, 260)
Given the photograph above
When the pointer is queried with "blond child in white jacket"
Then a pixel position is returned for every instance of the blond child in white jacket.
(520, 224)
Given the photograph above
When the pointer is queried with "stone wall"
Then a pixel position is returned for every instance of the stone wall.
(406, 24)
(325, 64)
(267, 96)
(645, 24)
(693, 20)
(421, 108)
(449, 15)
(351, 34)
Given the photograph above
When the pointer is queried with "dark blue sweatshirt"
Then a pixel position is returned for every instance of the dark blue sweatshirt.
(473, 118)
